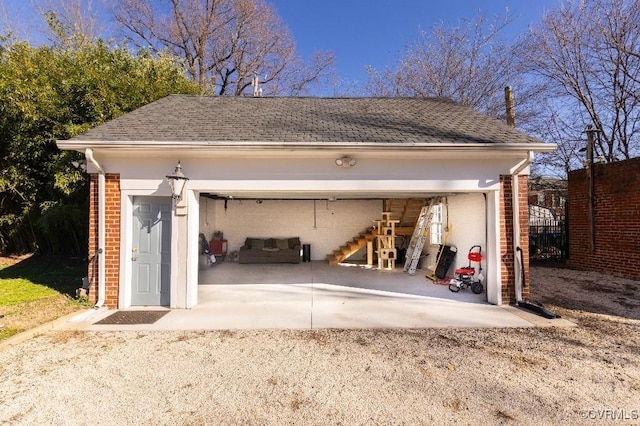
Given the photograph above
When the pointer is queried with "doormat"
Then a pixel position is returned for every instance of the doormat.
(133, 317)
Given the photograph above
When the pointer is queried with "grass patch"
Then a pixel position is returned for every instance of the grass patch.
(62, 274)
(20, 290)
(37, 289)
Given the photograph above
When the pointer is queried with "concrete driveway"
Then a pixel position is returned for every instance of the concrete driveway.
(317, 295)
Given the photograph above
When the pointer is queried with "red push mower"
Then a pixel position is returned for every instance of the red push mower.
(466, 276)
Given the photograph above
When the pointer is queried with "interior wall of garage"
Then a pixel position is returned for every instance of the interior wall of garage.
(466, 214)
(326, 226)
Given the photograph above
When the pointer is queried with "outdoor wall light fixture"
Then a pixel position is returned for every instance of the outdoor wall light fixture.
(177, 180)
(345, 161)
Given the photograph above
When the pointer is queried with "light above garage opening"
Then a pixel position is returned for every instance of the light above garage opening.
(345, 161)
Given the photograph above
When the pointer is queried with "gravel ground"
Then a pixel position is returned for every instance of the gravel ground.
(587, 374)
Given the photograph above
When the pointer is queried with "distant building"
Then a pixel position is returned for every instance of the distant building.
(547, 207)
(542, 216)
(550, 193)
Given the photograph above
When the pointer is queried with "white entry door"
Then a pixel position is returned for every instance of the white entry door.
(151, 251)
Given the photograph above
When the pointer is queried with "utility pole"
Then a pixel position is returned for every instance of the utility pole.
(508, 101)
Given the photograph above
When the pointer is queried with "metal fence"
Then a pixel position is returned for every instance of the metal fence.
(548, 240)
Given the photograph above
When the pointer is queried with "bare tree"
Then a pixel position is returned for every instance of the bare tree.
(81, 18)
(586, 54)
(18, 23)
(622, 35)
(70, 23)
(5, 28)
(469, 63)
(224, 43)
(553, 125)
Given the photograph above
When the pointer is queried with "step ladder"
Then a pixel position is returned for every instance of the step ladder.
(416, 244)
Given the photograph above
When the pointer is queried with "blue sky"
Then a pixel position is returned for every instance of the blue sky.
(359, 32)
(373, 32)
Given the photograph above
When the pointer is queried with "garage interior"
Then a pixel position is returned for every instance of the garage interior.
(340, 233)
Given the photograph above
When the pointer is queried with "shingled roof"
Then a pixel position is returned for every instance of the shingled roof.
(187, 118)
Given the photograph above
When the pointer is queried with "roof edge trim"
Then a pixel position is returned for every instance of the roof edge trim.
(249, 146)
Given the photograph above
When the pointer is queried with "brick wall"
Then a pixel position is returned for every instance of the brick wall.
(506, 237)
(617, 219)
(112, 240)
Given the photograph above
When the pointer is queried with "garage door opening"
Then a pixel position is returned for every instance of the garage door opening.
(334, 225)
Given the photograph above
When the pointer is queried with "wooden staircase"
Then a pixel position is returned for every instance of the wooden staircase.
(406, 210)
(352, 246)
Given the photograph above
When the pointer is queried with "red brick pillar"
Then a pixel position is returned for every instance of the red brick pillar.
(506, 236)
(112, 238)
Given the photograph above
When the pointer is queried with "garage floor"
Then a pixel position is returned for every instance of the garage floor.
(317, 295)
(350, 277)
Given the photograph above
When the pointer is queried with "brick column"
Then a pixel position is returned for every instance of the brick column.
(506, 237)
(112, 238)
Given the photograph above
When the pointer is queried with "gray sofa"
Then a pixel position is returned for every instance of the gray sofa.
(270, 250)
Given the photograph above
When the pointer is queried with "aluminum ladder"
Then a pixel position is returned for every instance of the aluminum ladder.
(420, 232)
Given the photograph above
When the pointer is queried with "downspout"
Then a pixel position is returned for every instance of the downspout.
(518, 268)
(101, 228)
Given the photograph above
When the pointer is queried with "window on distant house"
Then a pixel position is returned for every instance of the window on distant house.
(436, 224)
